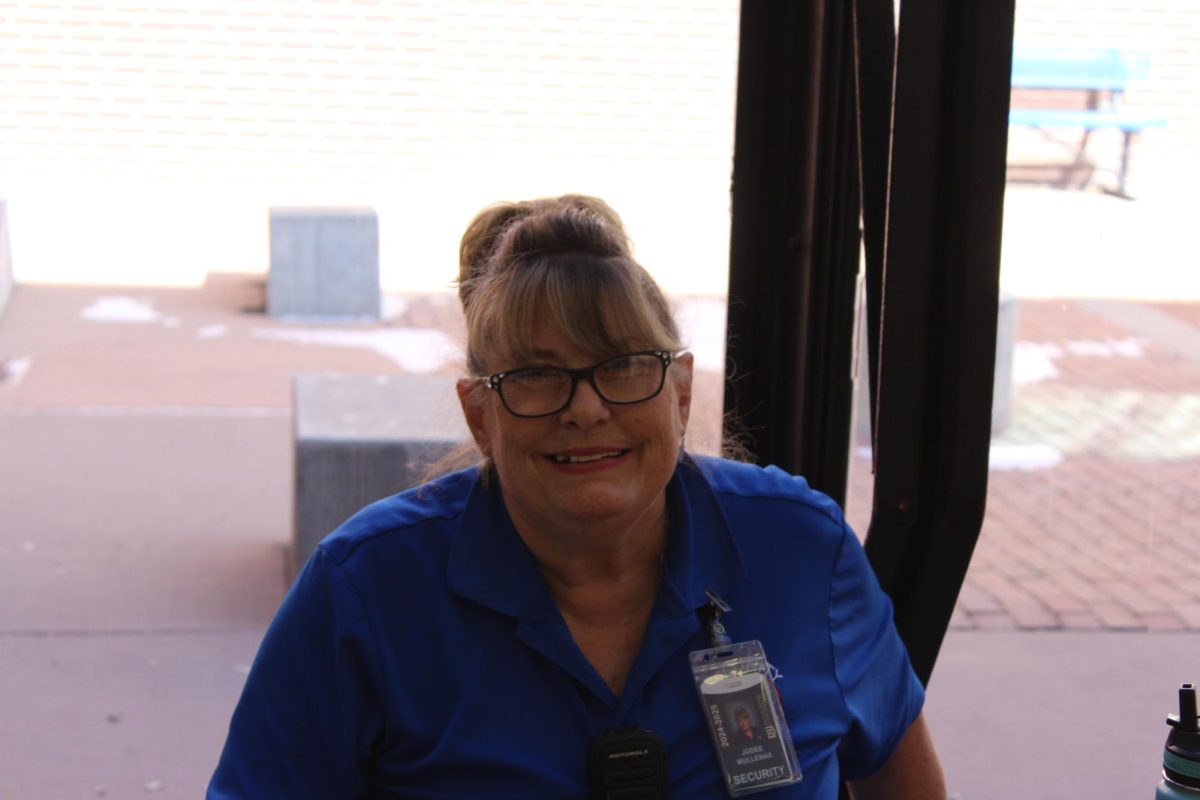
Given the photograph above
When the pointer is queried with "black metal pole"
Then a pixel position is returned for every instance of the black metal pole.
(875, 61)
(794, 238)
(939, 308)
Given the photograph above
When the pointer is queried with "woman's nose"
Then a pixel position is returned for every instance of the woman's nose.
(587, 407)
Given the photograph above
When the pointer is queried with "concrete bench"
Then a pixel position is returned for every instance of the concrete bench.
(1100, 76)
(359, 438)
(324, 264)
(6, 270)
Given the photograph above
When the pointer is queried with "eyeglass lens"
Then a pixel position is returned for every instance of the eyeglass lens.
(545, 390)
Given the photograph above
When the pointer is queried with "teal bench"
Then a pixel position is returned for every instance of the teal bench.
(1102, 75)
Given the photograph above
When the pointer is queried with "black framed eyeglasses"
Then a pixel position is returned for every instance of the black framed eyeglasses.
(620, 380)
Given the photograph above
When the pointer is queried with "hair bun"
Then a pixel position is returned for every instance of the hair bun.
(508, 233)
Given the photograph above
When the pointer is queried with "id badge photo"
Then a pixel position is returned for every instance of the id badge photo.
(745, 717)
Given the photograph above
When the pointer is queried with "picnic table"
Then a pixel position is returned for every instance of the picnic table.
(1096, 80)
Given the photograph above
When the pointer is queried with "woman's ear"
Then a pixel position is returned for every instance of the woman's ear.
(474, 413)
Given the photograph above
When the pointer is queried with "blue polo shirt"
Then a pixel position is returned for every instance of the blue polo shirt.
(419, 653)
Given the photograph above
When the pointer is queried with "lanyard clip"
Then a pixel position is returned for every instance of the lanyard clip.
(716, 631)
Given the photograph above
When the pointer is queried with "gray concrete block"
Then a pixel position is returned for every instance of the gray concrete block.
(6, 269)
(1002, 386)
(362, 438)
(1006, 338)
(324, 263)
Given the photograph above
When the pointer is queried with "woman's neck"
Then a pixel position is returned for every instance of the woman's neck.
(604, 582)
(606, 596)
(607, 561)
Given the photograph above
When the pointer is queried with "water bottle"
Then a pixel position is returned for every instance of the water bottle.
(1181, 756)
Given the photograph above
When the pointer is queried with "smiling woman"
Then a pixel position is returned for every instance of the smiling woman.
(575, 578)
(547, 291)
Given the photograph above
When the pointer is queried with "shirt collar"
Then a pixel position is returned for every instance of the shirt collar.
(488, 561)
(491, 565)
(701, 553)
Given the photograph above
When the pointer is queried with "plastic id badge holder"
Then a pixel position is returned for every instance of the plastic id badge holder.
(744, 714)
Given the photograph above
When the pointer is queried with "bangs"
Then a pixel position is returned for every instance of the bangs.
(604, 305)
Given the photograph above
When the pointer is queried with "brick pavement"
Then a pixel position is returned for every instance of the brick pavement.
(1103, 538)
(1107, 538)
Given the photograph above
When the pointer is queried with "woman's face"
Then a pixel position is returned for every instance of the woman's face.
(590, 463)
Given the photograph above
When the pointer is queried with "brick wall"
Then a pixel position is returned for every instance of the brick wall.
(320, 85)
(427, 109)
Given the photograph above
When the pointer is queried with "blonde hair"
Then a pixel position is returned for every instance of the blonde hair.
(565, 257)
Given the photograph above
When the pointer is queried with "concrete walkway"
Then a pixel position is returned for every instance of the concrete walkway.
(1056, 715)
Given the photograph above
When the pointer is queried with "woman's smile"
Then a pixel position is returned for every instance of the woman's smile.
(587, 455)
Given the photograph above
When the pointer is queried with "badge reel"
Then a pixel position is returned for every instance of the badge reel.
(742, 707)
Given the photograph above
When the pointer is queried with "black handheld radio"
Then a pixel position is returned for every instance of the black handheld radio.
(629, 763)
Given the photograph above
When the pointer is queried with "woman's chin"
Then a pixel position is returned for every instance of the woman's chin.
(598, 506)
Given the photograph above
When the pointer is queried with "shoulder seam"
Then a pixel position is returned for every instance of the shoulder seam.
(833, 653)
(359, 541)
(829, 513)
(767, 483)
(368, 623)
